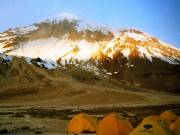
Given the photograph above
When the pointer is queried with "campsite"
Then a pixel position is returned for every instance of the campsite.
(90, 67)
(55, 121)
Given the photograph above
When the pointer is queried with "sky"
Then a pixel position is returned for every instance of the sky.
(159, 18)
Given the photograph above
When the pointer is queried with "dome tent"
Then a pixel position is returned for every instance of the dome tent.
(151, 127)
(82, 123)
(156, 118)
(168, 117)
(113, 125)
(175, 127)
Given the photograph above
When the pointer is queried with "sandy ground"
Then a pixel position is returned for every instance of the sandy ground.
(76, 94)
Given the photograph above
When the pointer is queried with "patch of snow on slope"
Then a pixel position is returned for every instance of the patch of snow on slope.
(93, 26)
(159, 55)
(81, 51)
(49, 64)
(5, 57)
(116, 72)
(137, 37)
(126, 52)
(168, 45)
(91, 68)
(24, 30)
(62, 16)
(108, 73)
(144, 52)
(7, 38)
(28, 60)
(110, 46)
(1, 48)
(3, 34)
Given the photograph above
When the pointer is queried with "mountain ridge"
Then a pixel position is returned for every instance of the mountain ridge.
(67, 41)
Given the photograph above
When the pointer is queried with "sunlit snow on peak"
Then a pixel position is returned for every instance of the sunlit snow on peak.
(136, 36)
(82, 24)
(54, 48)
(62, 16)
(145, 46)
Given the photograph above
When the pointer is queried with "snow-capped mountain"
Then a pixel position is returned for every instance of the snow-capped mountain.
(133, 43)
(55, 37)
(66, 40)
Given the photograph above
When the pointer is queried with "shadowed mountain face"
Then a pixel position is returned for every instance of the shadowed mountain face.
(142, 73)
(141, 60)
(66, 41)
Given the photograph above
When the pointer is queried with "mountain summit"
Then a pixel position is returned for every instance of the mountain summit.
(67, 41)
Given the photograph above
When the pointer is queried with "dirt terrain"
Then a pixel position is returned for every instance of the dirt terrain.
(80, 94)
(45, 106)
(78, 88)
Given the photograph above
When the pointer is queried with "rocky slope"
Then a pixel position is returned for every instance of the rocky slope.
(141, 60)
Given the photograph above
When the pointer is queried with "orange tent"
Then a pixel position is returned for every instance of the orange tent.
(153, 117)
(175, 127)
(113, 125)
(82, 123)
(168, 117)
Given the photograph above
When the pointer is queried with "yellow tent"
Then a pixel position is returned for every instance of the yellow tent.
(157, 119)
(175, 127)
(82, 123)
(168, 117)
(113, 125)
(150, 127)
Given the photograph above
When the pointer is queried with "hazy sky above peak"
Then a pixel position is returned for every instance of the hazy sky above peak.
(160, 18)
